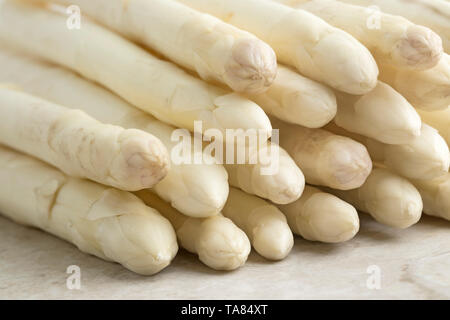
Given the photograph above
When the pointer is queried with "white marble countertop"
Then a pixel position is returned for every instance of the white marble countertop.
(414, 264)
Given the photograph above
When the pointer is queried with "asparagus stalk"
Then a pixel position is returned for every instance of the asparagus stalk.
(300, 39)
(427, 90)
(382, 114)
(110, 224)
(216, 240)
(199, 42)
(392, 40)
(153, 85)
(320, 216)
(297, 99)
(79, 145)
(264, 224)
(198, 190)
(284, 185)
(435, 195)
(325, 159)
(435, 14)
(387, 197)
(425, 157)
(440, 120)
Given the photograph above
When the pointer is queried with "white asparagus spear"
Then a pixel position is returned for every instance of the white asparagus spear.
(282, 185)
(428, 90)
(264, 224)
(435, 195)
(320, 216)
(79, 145)
(325, 159)
(434, 14)
(111, 224)
(155, 86)
(440, 120)
(198, 190)
(392, 40)
(300, 39)
(217, 241)
(387, 197)
(297, 99)
(200, 42)
(425, 157)
(382, 114)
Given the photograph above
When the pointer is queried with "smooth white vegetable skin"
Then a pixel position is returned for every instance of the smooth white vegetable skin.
(391, 39)
(111, 224)
(440, 120)
(297, 99)
(387, 197)
(198, 190)
(425, 157)
(325, 159)
(427, 90)
(320, 216)
(153, 85)
(215, 50)
(217, 241)
(264, 224)
(300, 39)
(435, 14)
(435, 195)
(79, 145)
(283, 186)
(382, 114)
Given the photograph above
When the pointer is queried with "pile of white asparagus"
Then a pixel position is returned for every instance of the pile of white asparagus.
(359, 90)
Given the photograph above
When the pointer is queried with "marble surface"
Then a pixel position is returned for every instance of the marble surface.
(414, 264)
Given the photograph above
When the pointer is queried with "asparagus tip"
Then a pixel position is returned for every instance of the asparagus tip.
(273, 241)
(252, 66)
(422, 48)
(222, 250)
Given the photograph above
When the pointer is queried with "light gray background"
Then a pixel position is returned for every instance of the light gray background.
(414, 263)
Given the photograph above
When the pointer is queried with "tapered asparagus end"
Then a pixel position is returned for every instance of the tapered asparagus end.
(233, 111)
(273, 241)
(404, 213)
(312, 109)
(222, 245)
(281, 181)
(133, 234)
(421, 49)
(205, 189)
(142, 161)
(346, 164)
(437, 157)
(426, 157)
(442, 200)
(441, 154)
(395, 201)
(402, 125)
(330, 219)
(252, 66)
(350, 68)
(282, 188)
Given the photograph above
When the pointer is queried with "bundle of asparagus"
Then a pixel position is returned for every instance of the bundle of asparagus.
(358, 112)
